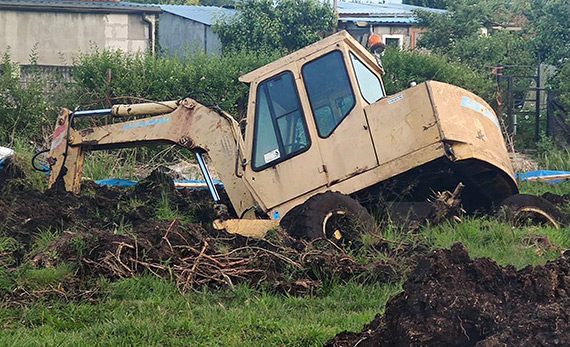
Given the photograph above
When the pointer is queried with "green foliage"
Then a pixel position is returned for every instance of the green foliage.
(499, 241)
(404, 66)
(8, 246)
(164, 210)
(561, 84)
(457, 35)
(44, 238)
(539, 187)
(265, 25)
(441, 4)
(25, 109)
(145, 77)
(549, 28)
(544, 28)
(111, 164)
(22, 159)
(551, 156)
(151, 311)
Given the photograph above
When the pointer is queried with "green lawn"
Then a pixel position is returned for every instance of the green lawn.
(151, 311)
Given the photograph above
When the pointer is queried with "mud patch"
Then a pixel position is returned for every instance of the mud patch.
(450, 299)
(152, 228)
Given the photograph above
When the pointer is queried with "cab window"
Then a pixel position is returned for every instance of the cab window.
(369, 84)
(329, 91)
(280, 128)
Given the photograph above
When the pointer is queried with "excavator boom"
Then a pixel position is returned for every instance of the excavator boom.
(187, 123)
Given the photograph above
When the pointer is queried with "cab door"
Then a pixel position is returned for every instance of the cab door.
(344, 137)
(285, 163)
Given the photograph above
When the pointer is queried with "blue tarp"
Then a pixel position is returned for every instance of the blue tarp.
(524, 176)
(115, 182)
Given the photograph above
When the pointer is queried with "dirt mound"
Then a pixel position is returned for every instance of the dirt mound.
(154, 228)
(452, 300)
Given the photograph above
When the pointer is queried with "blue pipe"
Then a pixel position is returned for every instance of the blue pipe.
(207, 177)
(102, 112)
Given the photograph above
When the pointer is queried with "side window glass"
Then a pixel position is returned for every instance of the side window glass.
(329, 91)
(280, 128)
(369, 84)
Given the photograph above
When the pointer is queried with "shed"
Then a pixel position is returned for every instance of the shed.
(188, 29)
(392, 21)
(56, 30)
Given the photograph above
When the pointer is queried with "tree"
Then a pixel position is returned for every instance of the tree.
(561, 83)
(441, 4)
(281, 25)
(549, 29)
(404, 66)
(458, 34)
(544, 24)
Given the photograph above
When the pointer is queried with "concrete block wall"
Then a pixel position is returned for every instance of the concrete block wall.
(59, 36)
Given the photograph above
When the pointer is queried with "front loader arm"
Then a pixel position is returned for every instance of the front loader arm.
(191, 125)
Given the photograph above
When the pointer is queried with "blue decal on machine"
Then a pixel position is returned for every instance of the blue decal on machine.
(474, 105)
(145, 123)
(276, 215)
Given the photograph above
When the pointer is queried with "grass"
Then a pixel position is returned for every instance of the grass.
(552, 156)
(22, 159)
(150, 311)
(110, 164)
(501, 242)
(541, 187)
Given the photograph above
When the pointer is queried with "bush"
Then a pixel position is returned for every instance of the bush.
(137, 77)
(551, 156)
(25, 109)
(404, 66)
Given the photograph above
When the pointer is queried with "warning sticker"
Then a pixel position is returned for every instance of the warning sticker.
(271, 156)
(395, 99)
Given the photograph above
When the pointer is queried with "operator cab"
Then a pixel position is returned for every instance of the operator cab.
(304, 109)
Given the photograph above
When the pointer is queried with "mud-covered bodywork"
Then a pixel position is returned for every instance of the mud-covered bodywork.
(425, 139)
(435, 135)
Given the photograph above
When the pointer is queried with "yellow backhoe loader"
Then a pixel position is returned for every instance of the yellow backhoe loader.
(321, 138)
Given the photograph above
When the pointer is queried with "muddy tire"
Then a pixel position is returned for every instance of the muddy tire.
(523, 209)
(331, 214)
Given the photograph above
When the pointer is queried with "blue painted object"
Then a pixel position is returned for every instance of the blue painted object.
(524, 176)
(114, 182)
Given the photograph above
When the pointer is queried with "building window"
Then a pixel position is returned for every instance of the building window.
(397, 40)
(280, 128)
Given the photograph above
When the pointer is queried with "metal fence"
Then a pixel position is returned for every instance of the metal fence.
(60, 74)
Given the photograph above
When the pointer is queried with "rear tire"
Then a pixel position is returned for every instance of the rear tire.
(522, 209)
(333, 215)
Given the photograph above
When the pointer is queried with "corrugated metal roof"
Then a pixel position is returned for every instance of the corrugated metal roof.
(385, 10)
(380, 20)
(202, 14)
(78, 6)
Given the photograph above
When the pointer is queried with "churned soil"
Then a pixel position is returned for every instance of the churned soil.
(450, 299)
(124, 232)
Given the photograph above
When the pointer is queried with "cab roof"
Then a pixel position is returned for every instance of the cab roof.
(342, 36)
